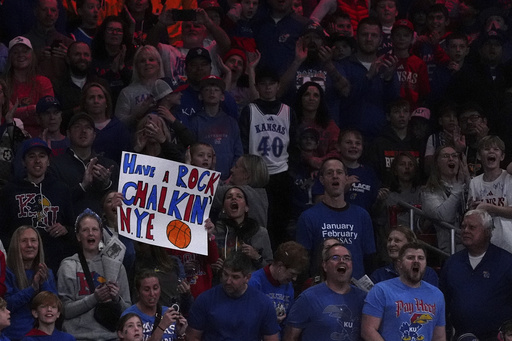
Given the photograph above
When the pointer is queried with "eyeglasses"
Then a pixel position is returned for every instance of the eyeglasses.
(470, 118)
(338, 258)
(114, 30)
(450, 156)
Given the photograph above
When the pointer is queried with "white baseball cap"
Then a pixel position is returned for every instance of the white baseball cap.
(20, 40)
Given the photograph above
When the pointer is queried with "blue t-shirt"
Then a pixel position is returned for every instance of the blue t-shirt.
(148, 321)
(407, 313)
(282, 295)
(351, 225)
(220, 317)
(323, 314)
(38, 335)
(18, 302)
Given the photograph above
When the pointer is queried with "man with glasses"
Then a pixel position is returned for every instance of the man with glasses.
(406, 307)
(330, 310)
(476, 281)
(473, 125)
(333, 217)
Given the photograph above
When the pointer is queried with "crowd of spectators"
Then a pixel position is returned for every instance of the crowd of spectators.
(322, 117)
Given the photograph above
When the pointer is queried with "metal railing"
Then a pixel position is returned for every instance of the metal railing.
(413, 210)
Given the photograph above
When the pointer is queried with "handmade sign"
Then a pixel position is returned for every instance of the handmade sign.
(165, 202)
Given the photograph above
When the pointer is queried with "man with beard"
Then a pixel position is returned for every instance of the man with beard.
(313, 62)
(233, 309)
(373, 83)
(476, 281)
(333, 217)
(68, 89)
(332, 308)
(405, 308)
(49, 45)
(88, 175)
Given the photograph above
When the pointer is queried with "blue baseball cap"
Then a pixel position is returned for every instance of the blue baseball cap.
(35, 142)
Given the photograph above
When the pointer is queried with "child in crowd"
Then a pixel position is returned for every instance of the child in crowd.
(338, 23)
(404, 185)
(491, 191)
(89, 11)
(130, 328)
(239, 23)
(431, 46)
(386, 12)
(457, 48)
(448, 134)
(396, 137)
(214, 126)
(273, 145)
(412, 71)
(5, 319)
(364, 183)
(342, 46)
(46, 309)
(201, 155)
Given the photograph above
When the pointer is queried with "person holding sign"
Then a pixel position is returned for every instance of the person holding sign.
(158, 322)
(88, 280)
(174, 288)
(236, 231)
(154, 138)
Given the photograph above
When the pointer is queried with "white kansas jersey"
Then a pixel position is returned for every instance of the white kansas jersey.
(269, 137)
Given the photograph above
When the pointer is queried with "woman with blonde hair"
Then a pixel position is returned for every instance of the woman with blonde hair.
(27, 275)
(27, 87)
(135, 100)
(250, 173)
(443, 197)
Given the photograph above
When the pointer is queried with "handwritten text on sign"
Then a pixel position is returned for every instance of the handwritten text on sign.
(165, 202)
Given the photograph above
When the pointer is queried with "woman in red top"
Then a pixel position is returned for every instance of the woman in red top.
(26, 85)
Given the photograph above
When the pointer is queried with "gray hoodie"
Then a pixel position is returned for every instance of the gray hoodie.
(79, 303)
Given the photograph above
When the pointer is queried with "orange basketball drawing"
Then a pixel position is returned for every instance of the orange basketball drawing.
(178, 233)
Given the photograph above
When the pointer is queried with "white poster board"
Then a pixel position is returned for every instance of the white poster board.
(165, 203)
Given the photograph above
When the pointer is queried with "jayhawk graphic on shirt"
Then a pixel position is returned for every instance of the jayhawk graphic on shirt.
(38, 207)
